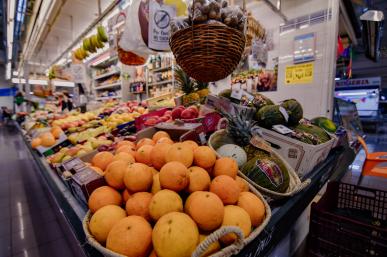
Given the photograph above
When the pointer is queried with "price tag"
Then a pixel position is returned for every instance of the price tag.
(236, 93)
(260, 143)
(284, 113)
(282, 129)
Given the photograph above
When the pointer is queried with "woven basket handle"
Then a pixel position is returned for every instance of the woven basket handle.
(215, 236)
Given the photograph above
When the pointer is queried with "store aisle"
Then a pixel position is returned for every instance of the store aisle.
(28, 224)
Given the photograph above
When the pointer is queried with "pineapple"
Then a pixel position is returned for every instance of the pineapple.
(187, 86)
(202, 88)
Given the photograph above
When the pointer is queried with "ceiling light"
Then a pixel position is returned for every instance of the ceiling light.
(8, 71)
(61, 83)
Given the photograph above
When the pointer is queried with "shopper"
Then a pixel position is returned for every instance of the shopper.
(67, 102)
(6, 115)
(19, 102)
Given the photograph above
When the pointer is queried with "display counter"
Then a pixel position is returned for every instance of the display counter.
(284, 212)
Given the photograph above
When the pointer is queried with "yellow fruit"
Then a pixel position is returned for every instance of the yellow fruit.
(213, 248)
(138, 177)
(199, 180)
(204, 157)
(103, 196)
(235, 216)
(175, 235)
(131, 236)
(253, 206)
(180, 153)
(103, 220)
(163, 202)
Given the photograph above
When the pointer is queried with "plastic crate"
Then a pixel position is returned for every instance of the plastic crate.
(349, 220)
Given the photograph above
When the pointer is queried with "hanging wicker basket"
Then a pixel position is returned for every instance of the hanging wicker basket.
(208, 52)
(220, 138)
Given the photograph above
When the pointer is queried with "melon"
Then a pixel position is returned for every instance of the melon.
(312, 133)
(199, 180)
(138, 204)
(175, 235)
(143, 154)
(144, 141)
(243, 185)
(124, 156)
(158, 154)
(268, 172)
(235, 216)
(36, 142)
(270, 115)
(226, 166)
(233, 151)
(191, 144)
(174, 176)
(160, 134)
(156, 187)
(131, 236)
(127, 149)
(294, 110)
(206, 209)
(114, 174)
(180, 153)
(253, 206)
(102, 159)
(165, 140)
(103, 196)
(103, 221)
(226, 188)
(211, 249)
(163, 202)
(204, 157)
(138, 177)
(260, 101)
(324, 123)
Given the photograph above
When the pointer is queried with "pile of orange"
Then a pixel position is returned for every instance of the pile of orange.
(163, 198)
(47, 139)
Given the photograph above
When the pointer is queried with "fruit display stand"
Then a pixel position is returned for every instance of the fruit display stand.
(284, 212)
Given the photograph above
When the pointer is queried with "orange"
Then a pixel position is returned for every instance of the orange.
(226, 166)
(226, 188)
(158, 154)
(138, 177)
(199, 180)
(103, 196)
(253, 206)
(160, 134)
(174, 176)
(144, 141)
(124, 156)
(204, 157)
(165, 140)
(180, 153)
(143, 154)
(102, 159)
(138, 205)
(114, 174)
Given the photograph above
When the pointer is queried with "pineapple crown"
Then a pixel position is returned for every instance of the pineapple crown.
(201, 85)
(240, 125)
(186, 83)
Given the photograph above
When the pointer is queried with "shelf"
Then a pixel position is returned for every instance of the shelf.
(108, 97)
(161, 69)
(108, 86)
(107, 74)
(160, 83)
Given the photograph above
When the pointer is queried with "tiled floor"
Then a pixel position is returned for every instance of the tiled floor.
(375, 143)
(28, 224)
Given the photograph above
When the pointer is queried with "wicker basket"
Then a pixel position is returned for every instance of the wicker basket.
(203, 246)
(220, 138)
(208, 52)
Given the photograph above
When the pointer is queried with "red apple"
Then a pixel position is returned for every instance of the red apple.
(168, 113)
(187, 114)
(176, 113)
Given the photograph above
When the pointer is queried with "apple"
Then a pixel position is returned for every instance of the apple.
(176, 113)
(164, 118)
(187, 114)
(168, 113)
(195, 110)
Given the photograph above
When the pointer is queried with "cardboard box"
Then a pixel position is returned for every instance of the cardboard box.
(302, 157)
(84, 182)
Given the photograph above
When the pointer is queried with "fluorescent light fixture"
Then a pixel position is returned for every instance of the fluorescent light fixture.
(8, 71)
(18, 81)
(337, 79)
(10, 27)
(31, 81)
(352, 94)
(60, 83)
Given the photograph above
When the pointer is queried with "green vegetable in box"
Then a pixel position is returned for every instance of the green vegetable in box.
(267, 171)
(294, 110)
(325, 123)
(311, 134)
(270, 115)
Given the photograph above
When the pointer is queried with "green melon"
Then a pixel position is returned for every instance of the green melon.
(325, 123)
(294, 109)
(314, 133)
(268, 172)
(260, 101)
(270, 115)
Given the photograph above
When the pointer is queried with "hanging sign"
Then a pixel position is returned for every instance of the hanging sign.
(160, 17)
(299, 74)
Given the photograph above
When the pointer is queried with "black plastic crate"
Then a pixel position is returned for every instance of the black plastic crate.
(349, 220)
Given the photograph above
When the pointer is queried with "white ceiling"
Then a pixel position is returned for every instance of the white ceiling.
(60, 36)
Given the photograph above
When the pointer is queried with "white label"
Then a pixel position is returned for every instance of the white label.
(284, 113)
(282, 129)
(160, 17)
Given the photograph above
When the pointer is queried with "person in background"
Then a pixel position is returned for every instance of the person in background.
(67, 102)
(81, 100)
(6, 115)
